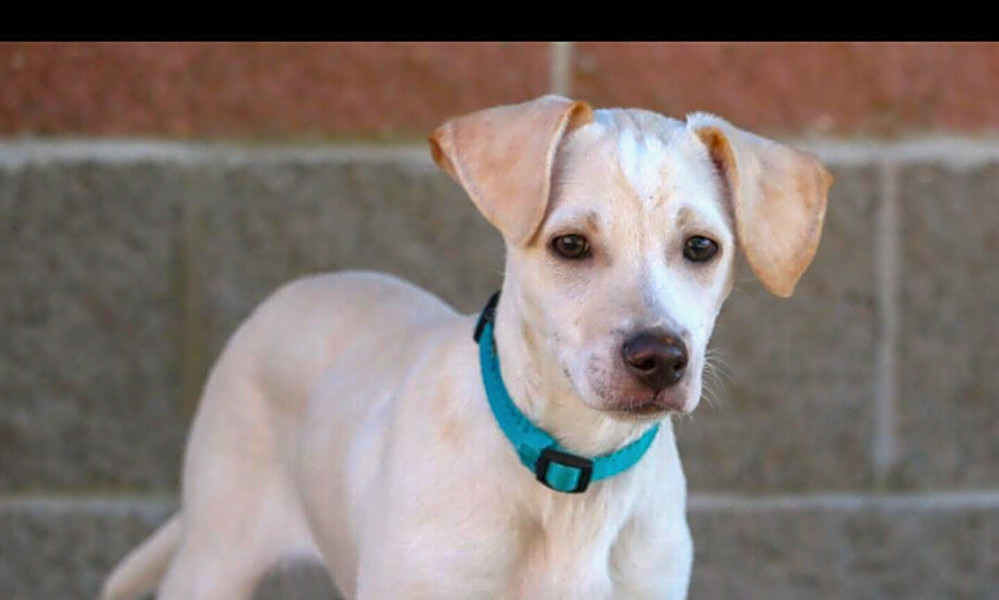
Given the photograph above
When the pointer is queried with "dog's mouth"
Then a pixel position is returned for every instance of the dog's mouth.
(624, 397)
(648, 408)
(655, 407)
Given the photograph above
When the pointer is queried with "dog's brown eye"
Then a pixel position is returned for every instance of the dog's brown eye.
(572, 246)
(700, 249)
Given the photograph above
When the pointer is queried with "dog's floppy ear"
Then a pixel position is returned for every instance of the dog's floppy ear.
(778, 196)
(503, 157)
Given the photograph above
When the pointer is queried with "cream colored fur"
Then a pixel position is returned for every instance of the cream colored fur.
(346, 419)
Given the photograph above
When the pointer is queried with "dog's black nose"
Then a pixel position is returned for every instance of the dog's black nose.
(656, 358)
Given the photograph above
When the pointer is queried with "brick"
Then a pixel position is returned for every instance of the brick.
(884, 89)
(90, 309)
(65, 549)
(251, 90)
(948, 345)
(866, 550)
(791, 404)
(265, 224)
(852, 549)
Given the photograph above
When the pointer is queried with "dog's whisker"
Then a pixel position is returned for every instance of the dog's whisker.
(716, 364)
(708, 395)
(716, 374)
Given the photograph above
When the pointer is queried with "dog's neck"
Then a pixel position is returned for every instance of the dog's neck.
(544, 394)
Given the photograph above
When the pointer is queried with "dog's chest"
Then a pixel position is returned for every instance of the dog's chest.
(566, 552)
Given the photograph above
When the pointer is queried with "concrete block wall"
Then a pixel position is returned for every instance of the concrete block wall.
(151, 194)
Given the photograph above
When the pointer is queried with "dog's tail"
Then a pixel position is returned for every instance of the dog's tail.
(141, 570)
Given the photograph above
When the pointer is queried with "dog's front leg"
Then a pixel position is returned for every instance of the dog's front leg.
(422, 546)
(653, 559)
(437, 572)
(590, 581)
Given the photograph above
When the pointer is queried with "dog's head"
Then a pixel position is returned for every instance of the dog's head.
(621, 228)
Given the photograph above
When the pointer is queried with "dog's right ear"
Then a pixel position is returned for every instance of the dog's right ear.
(503, 157)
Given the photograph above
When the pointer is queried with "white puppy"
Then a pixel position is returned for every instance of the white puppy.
(347, 419)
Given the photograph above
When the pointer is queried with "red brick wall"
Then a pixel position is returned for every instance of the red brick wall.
(400, 91)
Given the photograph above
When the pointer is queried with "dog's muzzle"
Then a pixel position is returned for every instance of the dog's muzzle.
(553, 466)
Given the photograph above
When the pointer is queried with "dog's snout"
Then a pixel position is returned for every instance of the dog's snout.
(656, 357)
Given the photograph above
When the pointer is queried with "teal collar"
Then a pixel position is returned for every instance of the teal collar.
(555, 467)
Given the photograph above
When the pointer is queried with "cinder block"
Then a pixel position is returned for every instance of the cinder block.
(948, 346)
(297, 581)
(65, 549)
(265, 224)
(790, 407)
(863, 551)
(90, 311)
(853, 549)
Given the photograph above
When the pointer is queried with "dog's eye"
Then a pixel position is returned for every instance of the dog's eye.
(699, 249)
(572, 246)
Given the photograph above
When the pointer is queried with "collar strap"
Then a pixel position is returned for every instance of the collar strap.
(553, 465)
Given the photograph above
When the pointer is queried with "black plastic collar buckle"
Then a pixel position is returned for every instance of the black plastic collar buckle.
(488, 315)
(583, 465)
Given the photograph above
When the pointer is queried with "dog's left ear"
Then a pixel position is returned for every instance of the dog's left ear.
(778, 196)
(503, 157)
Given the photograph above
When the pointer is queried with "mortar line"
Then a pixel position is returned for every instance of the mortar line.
(952, 152)
(69, 502)
(955, 501)
(193, 335)
(17, 154)
(698, 501)
(561, 68)
(956, 152)
(884, 443)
